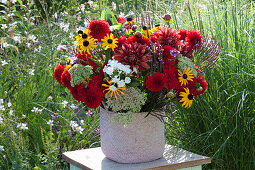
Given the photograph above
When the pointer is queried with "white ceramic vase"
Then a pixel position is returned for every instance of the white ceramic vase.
(141, 141)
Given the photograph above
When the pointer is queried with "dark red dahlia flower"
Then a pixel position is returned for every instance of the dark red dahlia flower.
(142, 40)
(78, 92)
(58, 72)
(171, 77)
(99, 28)
(198, 86)
(183, 34)
(134, 55)
(168, 58)
(65, 79)
(93, 99)
(155, 82)
(121, 40)
(194, 38)
(121, 19)
(96, 84)
(166, 36)
(87, 58)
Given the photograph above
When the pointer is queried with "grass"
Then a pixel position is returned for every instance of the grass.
(220, 124)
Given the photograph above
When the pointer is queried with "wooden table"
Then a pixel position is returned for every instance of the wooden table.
(173, 158)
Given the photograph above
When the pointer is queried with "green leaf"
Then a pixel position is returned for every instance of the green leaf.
(20, 2)
(129, 32)
(109, 17)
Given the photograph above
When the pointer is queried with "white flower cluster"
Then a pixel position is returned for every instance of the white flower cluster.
(74, 125)
(36, 110)
(114, 69)
(22, 126)
(1, 106)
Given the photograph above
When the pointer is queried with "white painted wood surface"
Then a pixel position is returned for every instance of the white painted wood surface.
(173, 158)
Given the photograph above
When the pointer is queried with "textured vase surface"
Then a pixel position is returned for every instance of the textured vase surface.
(141, 141)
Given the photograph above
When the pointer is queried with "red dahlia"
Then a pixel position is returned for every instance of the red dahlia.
(121, 40)
(182, 33)
(194, 86)
(194, 38)
(171, 77)
(96, 84)
(99, 28)
(134, 55)
(155, 82)
(168, 58)
(65, 79)
(93, 99)
(58, 72)
(78, 92)
(142, 40)
(166, 36)
(121, 20)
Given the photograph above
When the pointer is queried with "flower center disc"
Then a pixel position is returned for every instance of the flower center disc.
(84, 36)
(144, 28)
(190, 97)
(109, 41)
(86, 43)
(80, 32)
(184, 76)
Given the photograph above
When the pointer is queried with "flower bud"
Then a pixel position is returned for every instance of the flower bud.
(167, 17)
(134, 27)
(171, 95)
(138, 34)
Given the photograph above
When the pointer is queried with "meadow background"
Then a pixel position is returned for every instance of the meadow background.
(39, 120)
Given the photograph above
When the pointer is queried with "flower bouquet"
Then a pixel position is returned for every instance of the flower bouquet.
(128, 65)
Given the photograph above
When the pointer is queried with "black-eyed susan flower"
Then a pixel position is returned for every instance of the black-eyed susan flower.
(110, 42)
(155, 28)
(113, 88)
(186, 98)
(82, 35)
(87, 45)
(146, 32)
(185, 76)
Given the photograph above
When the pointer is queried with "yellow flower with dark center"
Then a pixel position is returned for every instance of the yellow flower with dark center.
(185, 76)
(82, 35)
(146, 32)
(187, 98)
(155, 28)
(114, 89)
(110, 42)
(87, 45)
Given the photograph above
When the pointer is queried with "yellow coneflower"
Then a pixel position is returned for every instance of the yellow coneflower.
(146, 32)
(110, 42)
(112, 89)
(187, 98)
(185, 76)
(87, 45)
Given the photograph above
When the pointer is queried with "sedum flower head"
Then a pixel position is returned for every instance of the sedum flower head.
(131, 102)
(185, 62)
(79, 72)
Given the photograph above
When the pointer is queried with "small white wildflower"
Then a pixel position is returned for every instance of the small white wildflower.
(2, 108)
(122, 14)
(61, 48)
(32, 38)
(50, 122)
(79, 129)
(1, 148)
(73, 124)
(50, 98)
(4, 26)
(36, 110)
(71, 35)
(113, 6)
(11, 112)
(22, 126)
(82, 7)
(14, 133)
(74, 107)
(90, 3)
(55, 15)
(64, 103)
(28, 45)
(31, 72)
(64, 26)
(24, 116)
(17, 39)
(115, 79)
(1, 120)
(4, 63)
(113, 88)
(5, 44)
(1, 101)
(9, 104)
(82, 122)
(13, 1)
(127, 80)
